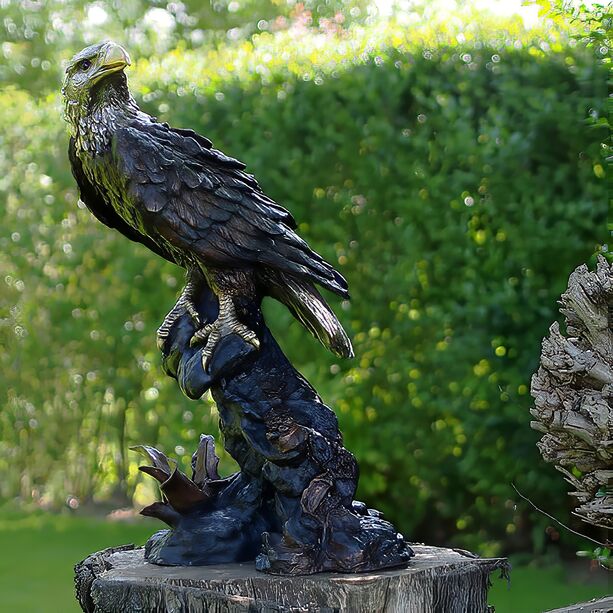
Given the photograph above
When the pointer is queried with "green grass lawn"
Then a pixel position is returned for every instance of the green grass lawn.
(536, 589)
(38, 553)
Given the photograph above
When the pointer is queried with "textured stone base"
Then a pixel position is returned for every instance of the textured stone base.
(437, 580)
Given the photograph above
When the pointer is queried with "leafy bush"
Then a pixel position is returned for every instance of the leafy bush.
(448, 173)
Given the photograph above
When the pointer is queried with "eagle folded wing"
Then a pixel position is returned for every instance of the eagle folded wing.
(204, 203)
(105, 213)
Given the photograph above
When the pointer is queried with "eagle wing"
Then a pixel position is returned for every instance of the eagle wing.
(203, 203)
(104, 212)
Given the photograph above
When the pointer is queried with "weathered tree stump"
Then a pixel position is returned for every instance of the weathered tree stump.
(440, 580)
(573, 393)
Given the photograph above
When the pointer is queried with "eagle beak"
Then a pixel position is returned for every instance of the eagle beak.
(115, 58)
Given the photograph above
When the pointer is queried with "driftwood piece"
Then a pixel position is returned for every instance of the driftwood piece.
(600, 605)
(573, 393)
(438, 580)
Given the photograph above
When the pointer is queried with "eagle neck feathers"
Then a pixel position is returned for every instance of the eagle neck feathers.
(94, 121)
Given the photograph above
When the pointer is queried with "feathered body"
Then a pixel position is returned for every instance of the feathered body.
(172, 191)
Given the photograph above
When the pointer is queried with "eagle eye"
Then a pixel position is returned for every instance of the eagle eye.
(84, 64)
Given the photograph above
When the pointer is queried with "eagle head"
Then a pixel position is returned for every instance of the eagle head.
(95, 84)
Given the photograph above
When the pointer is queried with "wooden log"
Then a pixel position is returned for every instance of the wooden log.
(602, 605)
(441, 580)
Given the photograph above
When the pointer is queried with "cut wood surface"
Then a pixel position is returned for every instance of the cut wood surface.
(439, 580)
(602, 605)
(573, 392)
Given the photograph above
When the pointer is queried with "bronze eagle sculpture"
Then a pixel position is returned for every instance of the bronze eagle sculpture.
(169, 189)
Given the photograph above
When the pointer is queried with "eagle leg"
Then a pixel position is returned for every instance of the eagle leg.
(185, 303)
(226, 323)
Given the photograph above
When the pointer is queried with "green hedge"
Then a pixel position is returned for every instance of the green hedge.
(450, 176)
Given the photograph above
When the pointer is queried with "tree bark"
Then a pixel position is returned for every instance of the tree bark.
(439, 580)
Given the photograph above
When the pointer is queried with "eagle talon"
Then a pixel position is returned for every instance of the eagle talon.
(191, 309)
(201, 335)
(226, 323)
(185, 303)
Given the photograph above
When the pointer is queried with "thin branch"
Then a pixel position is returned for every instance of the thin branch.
(606, 545)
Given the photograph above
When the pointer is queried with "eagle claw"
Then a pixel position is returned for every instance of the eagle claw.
(184, 304)
(226, 323)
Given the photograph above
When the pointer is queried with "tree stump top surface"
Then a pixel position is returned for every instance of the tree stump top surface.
(437, 579)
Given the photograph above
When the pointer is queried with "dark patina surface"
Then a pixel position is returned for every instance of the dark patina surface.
(290, 507)
(292, 500)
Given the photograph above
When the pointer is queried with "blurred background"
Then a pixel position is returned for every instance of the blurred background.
(446, 156)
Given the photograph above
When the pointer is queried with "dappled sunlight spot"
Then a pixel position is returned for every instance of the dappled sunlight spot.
(255, 59)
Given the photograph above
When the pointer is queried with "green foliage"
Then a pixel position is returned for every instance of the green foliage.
(37, 34)
(601, 555)
(594, 24)
(445, 169)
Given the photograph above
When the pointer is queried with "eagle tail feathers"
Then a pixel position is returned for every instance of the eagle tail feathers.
(310, 308)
